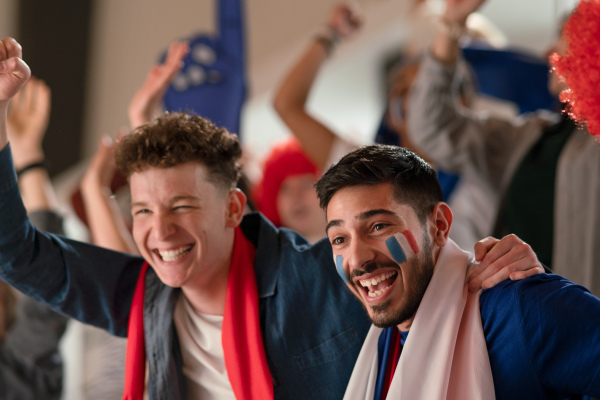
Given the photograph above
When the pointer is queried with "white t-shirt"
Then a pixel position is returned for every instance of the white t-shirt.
(202, 352)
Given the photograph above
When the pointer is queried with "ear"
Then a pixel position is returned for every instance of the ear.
(442, 221)
(236, 202)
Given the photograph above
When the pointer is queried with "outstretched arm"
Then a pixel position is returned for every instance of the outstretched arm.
(290, 100)
(146, 100)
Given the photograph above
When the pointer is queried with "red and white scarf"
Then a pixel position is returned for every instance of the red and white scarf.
(243, 348)
(445, 355)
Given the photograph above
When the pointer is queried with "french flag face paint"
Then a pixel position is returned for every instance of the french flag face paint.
(402, 246)
(339, 264)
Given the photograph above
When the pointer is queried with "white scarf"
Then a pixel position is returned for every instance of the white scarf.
(445, 355)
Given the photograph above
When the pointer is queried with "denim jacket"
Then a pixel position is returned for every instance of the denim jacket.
(312, 326)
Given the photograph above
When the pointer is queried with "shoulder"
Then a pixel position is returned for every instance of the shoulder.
(537, 286)
(541, 310)
(540, 292)
(277, 241)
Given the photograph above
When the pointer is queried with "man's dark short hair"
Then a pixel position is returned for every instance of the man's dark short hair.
(178, 138)
(415, 182)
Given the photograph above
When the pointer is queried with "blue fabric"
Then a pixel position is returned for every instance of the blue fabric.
(383, 353)
(212, 82)
(313, 328)
(512, 75)
(543, 338)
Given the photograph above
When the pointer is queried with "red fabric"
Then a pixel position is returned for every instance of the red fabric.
(392, 363)
(287, 158)
(580, 68)
(135, 357)
(245, 357)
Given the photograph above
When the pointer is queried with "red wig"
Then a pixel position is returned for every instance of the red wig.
(580, 67)
(287, 158)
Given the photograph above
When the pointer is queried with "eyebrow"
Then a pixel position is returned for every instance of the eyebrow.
(361, 217)
(173, 200)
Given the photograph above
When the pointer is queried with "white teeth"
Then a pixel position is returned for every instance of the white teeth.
(171, 255)
(375, 281)
(379, 292)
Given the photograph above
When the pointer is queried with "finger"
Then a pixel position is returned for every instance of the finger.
(174, 60)
(492, 260)
(177, 51)
(3, 51)
(15, 66)
(517, 257)
(523, 267)
(515, 276)
(13, 48)
(483, 247)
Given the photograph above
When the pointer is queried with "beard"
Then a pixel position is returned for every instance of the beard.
(385, 315)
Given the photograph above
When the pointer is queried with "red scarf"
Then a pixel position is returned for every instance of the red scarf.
(245, 358)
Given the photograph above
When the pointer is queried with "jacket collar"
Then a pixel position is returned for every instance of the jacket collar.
(266, 238)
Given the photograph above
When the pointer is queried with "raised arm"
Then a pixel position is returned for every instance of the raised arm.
(13, 75)
(80, 280)
(452, 25)
(28, 116)
(146, 100)
(290, 99)
(104, 218)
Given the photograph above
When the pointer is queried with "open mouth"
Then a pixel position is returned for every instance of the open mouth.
(172, 255)
(378, 285)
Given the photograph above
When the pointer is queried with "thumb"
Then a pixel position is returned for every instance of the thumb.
(15, 66)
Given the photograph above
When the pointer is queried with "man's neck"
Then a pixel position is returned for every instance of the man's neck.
(208, 291)
(208, 300)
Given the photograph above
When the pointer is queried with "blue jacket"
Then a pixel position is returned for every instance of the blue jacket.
(312, 327)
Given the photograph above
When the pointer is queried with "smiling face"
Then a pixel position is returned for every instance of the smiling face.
(360, 220)
(183, 224)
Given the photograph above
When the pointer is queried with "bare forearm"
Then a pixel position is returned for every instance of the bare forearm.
(290, 103)
(37, 191)
(105, 222)
(445, 45)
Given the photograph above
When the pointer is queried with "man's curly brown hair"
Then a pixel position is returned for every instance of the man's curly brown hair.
(178, 138)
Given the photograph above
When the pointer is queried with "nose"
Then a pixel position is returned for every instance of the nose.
(162, 227)
(359, 254)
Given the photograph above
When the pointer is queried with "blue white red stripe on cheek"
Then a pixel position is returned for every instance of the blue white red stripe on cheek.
(402, 246)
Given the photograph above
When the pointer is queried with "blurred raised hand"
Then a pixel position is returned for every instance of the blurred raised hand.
(27, 120)
(345, 19)
(147, 99)
(107, 227)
